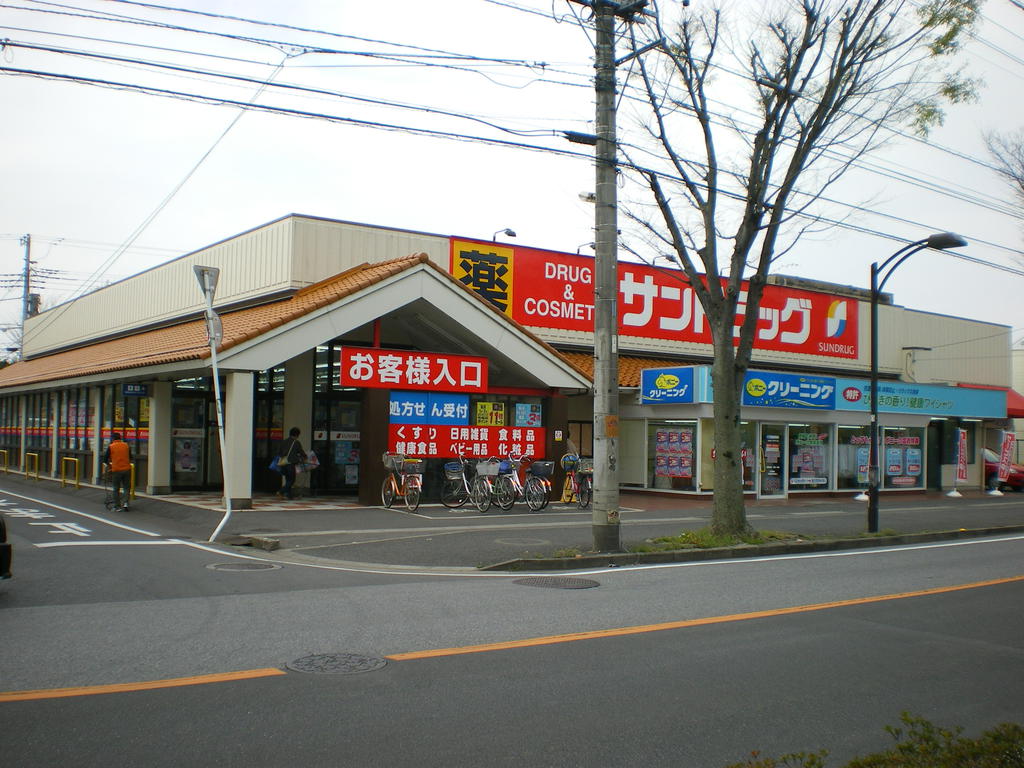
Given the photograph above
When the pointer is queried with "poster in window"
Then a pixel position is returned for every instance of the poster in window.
(186, 456)
(490, 414)
(913, 459)
(661, 465)
(676, 447)
(893, 461)
(528, 415)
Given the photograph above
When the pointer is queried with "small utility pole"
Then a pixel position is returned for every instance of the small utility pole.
(26, 294)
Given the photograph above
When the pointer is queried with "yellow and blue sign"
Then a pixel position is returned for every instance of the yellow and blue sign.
(789, 390)
(666, 385)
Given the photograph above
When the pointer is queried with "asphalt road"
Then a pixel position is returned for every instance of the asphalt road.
(702, 682)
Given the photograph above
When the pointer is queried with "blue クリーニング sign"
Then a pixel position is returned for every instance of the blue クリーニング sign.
(666, 385)
(789, 390)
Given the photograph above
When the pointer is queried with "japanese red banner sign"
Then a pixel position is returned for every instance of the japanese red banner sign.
(1006, 455)
(961, 456)
(547, 289)
(446, 441)
(395, 369)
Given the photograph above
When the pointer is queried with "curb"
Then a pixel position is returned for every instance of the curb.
(615, 559)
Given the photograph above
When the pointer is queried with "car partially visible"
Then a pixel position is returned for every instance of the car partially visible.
(5, 552)
(1014, 481)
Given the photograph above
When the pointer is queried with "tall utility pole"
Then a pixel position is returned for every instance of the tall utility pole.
(26, 295)
(605, 510)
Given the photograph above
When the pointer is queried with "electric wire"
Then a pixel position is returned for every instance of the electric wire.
(509, 5)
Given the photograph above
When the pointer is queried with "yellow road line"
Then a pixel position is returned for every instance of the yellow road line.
(249, 674)
(148, 685)
(636, 630)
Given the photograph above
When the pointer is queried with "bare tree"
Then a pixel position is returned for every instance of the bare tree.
(825, 82)
(1008, 153)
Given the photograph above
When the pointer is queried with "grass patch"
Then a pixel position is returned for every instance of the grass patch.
(705, 538)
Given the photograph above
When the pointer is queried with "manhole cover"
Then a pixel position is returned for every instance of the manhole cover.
(336, 664)
(558, 582)
(243, 566)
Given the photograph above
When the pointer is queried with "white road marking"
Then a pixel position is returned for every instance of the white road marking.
(103, 543)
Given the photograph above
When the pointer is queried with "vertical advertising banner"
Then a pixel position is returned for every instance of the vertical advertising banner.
(1006, 456)
(961, 456)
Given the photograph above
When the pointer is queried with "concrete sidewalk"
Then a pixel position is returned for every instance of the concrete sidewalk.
(340, 531)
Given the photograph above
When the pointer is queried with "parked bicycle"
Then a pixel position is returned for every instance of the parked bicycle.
(525, 482)
(579, 478)
(485, 484)
(457, 488)
(404, 479)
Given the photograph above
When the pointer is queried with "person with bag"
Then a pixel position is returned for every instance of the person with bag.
(289, 453)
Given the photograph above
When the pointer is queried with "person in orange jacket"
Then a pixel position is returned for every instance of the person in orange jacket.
(117, 460)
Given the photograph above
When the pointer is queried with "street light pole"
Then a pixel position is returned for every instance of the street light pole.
(880, 273)
(207, 277)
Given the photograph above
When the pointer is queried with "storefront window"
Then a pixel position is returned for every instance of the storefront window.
(748, 454)
(810, 452)
(37, 413)
(902, 459)
(10, 428)
(671, 455)
(854, 449)
(581, 435)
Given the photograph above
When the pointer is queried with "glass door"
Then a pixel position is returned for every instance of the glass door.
(771, 474)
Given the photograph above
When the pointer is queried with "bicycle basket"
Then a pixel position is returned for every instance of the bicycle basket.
(541, 468)
(412, 467)
(452, 470)
(393, 461)
(505, 468)
(586, 466)
(489, 468)
(569, 462)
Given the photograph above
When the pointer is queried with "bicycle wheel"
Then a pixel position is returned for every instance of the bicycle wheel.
(388, 491)
(586, 491)
(481, 494)
(536, 494)
(412, 492)
(454, 493)
(504, 492)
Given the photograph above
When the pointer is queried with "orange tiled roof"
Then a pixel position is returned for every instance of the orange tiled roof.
(187, 341)
(629, 367)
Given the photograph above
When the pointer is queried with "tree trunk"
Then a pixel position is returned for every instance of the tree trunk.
(729, 515)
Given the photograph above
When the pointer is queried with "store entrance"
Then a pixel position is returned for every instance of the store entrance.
(196, 448)
(771, 476)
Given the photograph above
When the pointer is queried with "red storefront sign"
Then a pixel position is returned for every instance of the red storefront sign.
(546, 289)
(395, 369)
(447, 441)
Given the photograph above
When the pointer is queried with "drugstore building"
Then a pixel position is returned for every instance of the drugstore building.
(371, 339)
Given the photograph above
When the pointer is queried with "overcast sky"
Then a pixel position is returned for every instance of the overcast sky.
(89, 170)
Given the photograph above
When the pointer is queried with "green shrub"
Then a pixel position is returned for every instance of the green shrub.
(920, 744)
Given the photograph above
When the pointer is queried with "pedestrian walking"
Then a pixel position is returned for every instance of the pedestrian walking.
(289, 454)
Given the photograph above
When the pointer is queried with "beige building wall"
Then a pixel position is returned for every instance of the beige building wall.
(293, 252)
